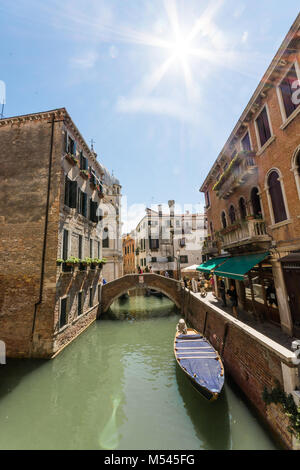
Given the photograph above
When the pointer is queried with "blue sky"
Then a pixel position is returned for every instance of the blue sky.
(157, 84)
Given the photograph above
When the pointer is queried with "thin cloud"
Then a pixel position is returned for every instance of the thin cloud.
(161, 106)
(86, 61)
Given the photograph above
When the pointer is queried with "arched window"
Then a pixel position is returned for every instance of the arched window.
(298, 162)
(223, 218)
(255, 201)
(242, 207)
(232, 214)
(105, 239)
(276, 197)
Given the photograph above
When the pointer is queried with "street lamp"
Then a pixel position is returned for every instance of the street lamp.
(178, 264)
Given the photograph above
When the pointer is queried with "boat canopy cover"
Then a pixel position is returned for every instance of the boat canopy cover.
(237, 266)
(192, 337)
(211, 264)
(200, 361)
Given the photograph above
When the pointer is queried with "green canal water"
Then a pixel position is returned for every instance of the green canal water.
(118, 387)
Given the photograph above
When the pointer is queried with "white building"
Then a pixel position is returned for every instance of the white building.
(169, 242)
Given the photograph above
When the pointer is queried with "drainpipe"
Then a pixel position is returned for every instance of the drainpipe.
(45, 234)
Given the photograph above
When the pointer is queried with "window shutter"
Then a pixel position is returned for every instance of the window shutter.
(67, 190)
(65, 244)
(73, 194)
(276, 195)
(84, 204)
(74, 148)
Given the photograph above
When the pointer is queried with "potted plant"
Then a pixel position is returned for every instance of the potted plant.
(71, 159)
(59, 261)
(84, 174)
(250, 217)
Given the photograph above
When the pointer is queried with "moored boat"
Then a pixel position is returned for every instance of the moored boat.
(200, 362)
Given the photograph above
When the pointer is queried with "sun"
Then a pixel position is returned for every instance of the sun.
(180, 48)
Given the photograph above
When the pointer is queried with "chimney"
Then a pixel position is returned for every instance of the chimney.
(172, 207)
(159, 210)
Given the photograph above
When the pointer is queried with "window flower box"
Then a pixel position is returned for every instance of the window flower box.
(230, 228)
(84, 174)
(71, 159)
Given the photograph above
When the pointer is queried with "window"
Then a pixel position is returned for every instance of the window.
(246, 144)
(91, 248)
(183, 259)
(83, 162)
(63, 317)
(91, 300)
(287, 91)
(98, 250)
(276, 196)
(242, 208)
(263, 127)
(93, 211)
(70, 144)
(105, 239)
(79, 304)
(232, 214)
(207, 198)
(80, 246)
(255, 201)
(153, 243)
(211, 229)
(82, 203)
(70, 193)
(65, 244)
(223, 218)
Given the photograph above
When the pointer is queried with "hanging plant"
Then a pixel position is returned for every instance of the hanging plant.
(278, 396)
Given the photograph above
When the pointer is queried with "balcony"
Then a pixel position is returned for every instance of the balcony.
(241, 167)
(245, 232)
(210, 247)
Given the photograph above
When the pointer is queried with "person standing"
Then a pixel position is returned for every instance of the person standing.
(232, 294)
(222, 292)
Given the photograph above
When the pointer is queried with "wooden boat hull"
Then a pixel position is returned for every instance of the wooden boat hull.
(200, 362)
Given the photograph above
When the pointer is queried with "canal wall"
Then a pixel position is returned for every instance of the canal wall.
(253, 360)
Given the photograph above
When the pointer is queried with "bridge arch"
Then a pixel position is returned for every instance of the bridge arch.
(114, 289)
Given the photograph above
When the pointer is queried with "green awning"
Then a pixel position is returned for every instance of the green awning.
(211, 264)
(237, 266)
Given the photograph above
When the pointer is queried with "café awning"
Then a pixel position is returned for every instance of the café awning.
(211, 264)
(237, 266)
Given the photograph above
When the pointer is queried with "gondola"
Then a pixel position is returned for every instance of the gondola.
(200, 362)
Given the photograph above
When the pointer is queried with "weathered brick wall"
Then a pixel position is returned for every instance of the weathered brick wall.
(25, 150)
(249, 362)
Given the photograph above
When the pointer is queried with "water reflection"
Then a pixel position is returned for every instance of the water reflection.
(210, 419)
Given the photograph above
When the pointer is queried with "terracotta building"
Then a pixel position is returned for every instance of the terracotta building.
(51, 189)
(252, 195)
(129, 266)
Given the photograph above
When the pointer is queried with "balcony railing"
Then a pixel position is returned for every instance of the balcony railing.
(210, 246)
(244, 231)
(236, 174)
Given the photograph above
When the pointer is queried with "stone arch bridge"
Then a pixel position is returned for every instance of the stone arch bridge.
(114, 289)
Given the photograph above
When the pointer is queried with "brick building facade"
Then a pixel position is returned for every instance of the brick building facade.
(252, 192)
(51, 189)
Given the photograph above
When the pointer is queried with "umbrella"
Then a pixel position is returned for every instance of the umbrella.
(190, 269)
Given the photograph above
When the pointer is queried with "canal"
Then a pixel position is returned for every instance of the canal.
(118, 387)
